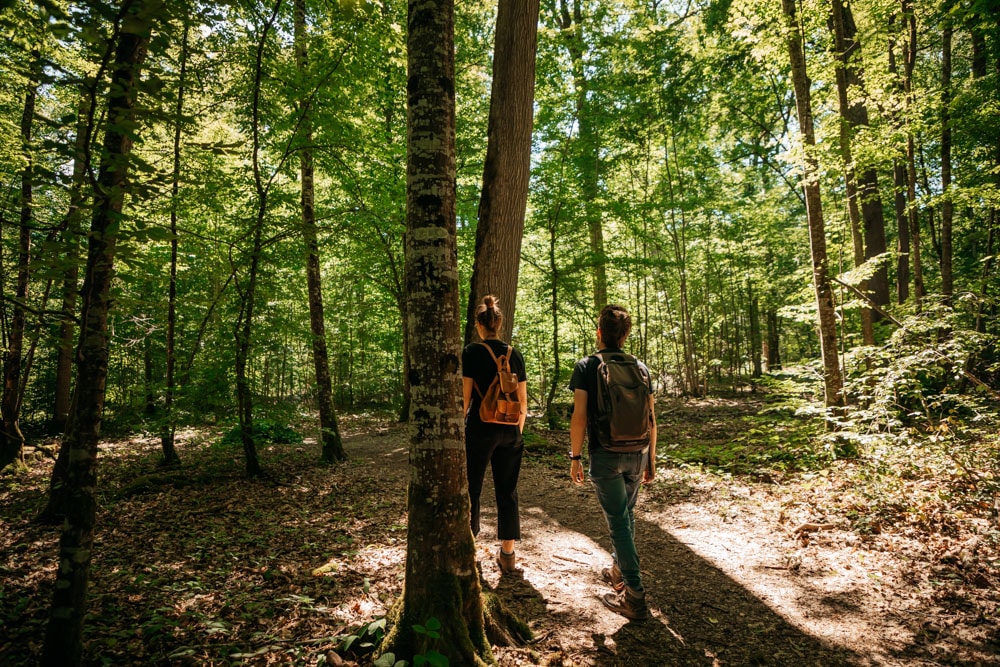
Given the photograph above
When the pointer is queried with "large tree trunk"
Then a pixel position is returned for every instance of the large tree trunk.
(63, 639)
(832, 378)
(12, 440)
(332, 445)
(508, 163)
(441, 577)
(947, 205)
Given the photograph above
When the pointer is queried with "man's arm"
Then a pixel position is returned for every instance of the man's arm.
(577, 431)
(650, 473)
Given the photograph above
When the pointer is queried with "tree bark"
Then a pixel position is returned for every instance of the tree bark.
(441, 576)
(63, 645)
(832, 378)
(332, 445)
(773, 355)
(12, 440)
(508, 163)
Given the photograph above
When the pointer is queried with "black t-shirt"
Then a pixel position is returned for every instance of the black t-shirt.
(479, 365)
(585, 377)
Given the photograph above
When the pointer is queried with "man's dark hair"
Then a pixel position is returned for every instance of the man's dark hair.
(615, 324)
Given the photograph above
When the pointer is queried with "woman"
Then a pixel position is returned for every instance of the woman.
(487, 444)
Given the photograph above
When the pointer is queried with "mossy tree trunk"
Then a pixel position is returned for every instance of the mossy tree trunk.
(441, 578)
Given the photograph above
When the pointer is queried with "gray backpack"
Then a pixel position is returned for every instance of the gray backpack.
(624, 416)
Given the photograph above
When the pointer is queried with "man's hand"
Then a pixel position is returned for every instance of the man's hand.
(576, 472)
(649, 474)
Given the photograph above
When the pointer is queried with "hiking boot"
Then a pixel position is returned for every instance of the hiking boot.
(630, 604)
(506, 561)
(612, 576)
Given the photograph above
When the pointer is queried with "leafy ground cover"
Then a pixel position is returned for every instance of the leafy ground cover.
(760, 547)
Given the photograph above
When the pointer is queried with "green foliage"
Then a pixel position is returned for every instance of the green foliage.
(432, 631)
(265, 432)
(919, 378)
(365, 638)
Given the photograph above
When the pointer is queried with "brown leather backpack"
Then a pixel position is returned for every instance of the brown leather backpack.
(499, 404)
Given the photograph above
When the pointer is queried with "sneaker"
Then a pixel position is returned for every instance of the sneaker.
(628, 603)
(506, 561)
(612, 576)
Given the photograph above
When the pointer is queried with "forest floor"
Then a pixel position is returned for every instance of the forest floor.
(198, 566)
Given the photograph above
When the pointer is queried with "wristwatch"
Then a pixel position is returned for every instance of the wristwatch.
(578, 457)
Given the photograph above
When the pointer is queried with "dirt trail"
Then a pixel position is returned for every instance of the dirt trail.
(729, 581)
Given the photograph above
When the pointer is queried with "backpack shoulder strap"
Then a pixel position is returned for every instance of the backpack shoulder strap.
(496, 360)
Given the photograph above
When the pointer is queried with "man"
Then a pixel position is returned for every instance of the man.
(616, 475)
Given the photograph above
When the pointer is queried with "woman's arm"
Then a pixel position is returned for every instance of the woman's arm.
(466, 394)
(522, 398)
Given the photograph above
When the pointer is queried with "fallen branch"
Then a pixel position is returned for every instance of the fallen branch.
(813, 527)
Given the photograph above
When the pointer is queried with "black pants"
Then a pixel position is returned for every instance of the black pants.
(500, 447)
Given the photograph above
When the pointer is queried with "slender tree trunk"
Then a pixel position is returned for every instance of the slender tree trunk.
(442, 581)
(845, 77)
(916, 261)
(589, 164)
(333, 446)
(991, 232)
(508, 163)
(551, 417)
(899, 186)
(773, 355)
(987, 271)
(71, 235)
(63, 645)
(947, 205)
(243, 327)
(170, 456)
(854, 114)
(677, 231)
(12, 441)
(755, 338)
(832, 377)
